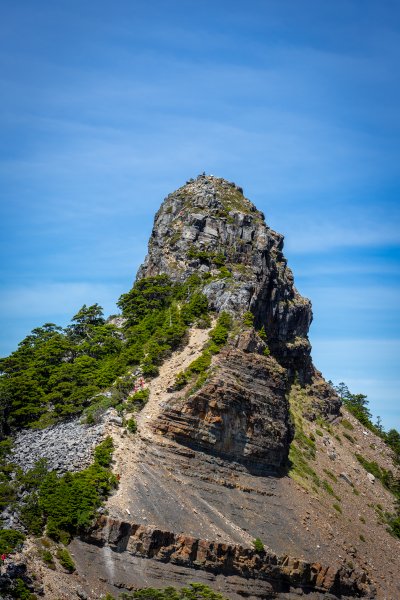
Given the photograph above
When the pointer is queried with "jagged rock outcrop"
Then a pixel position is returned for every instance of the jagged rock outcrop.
(274, 574)
(208, 227)
(240, 414)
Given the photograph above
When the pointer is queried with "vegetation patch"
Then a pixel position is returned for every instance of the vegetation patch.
(194, 591)
(391, 483)
(65, 559)
(201, 365)
(302, 449)
(216, 258)
(65, 505)
(56, 372)
(330, 475)
(328, 488)
(20, 591)
(258, 545)
(131, 425)
(10, 540)
(385, 476)
(48, 559)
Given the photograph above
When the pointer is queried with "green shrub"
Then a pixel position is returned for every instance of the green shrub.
(195, 591)
(258, 545)
(203, 322)
(103, 452)
(266, 351)
(48, 559)
(195, 308)
(131, 425)
(9, 540)
(94, 412)
(225, 273)
(219, 335)
(349, 437)
(262, 333)
(65, 559)
(67, 504)
(201, 364)
(319, 432)
(21, 592)
(138, 399)
(346, 424)
(248, 319)
(219, 259)
(337, 507)
(181, 379)
(330, 474)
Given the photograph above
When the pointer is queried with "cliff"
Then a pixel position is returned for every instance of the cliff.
(209, 227)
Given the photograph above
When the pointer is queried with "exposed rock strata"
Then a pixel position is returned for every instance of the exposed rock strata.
(281, 573)
(240, 414)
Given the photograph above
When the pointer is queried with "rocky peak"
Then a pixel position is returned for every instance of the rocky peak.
(208, 227)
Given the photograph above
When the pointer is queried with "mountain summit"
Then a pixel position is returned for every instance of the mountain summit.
(226, 458)
(208, 227)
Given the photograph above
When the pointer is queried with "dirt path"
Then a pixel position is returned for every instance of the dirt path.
(168, 370)
(129, 447)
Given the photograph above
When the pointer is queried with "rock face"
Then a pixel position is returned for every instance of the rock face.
(240, 414)
(274, 574)
(208, 227)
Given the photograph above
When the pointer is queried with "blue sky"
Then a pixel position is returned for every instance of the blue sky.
(107, 107)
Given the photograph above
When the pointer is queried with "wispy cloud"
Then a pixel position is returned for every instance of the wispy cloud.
(105, 114)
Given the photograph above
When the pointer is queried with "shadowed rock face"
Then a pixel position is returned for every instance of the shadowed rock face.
(240, 414)
(208, 222)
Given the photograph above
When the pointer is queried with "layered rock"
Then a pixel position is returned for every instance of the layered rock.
(240, 414)
(273, 574)
(208, 227)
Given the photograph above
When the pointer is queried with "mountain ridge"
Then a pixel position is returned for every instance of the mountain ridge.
(223, 430)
